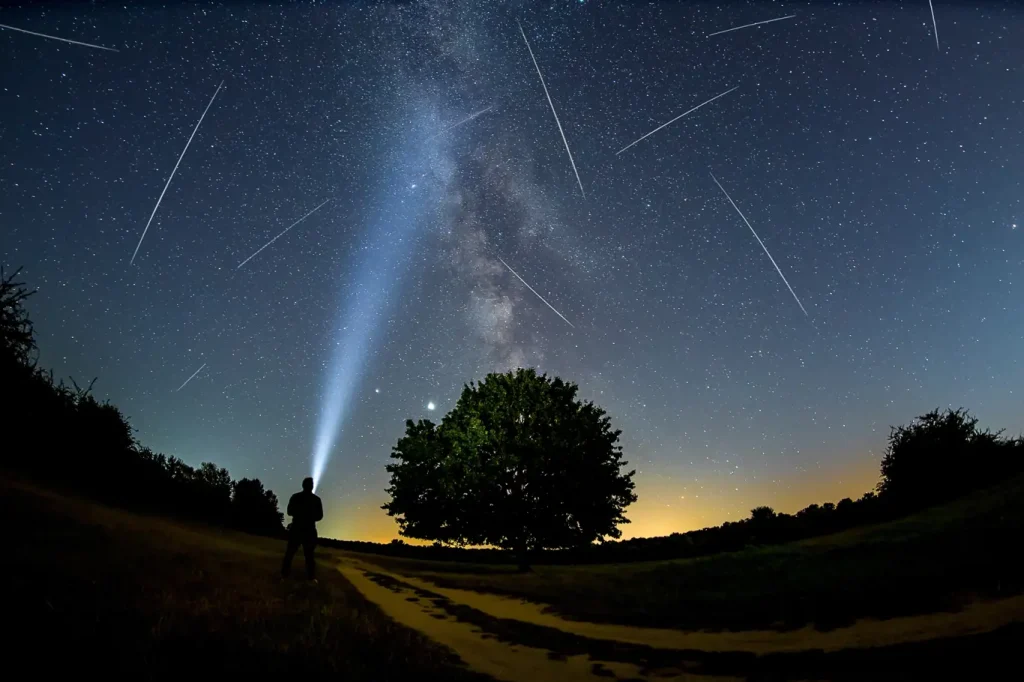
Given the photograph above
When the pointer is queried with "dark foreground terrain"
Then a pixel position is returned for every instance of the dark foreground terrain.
(935, 596)
(92, 589)
(938, 560)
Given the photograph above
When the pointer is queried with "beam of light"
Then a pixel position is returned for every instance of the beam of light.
(756, 23)
(280, 235)
(171, 176)
(64, 40)
(456, 125)
(534, 291)
(378, 270)
(935, 27)
(777, 269)
(190, 378)
(552, 104)
(676, 119)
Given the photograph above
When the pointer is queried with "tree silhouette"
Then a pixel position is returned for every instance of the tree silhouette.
(254, 509)
(941, 455)
(762, 514)
(16, 338)
(519, 463)
(61, 435)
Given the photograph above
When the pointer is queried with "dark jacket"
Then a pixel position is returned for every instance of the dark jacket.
(305, 510)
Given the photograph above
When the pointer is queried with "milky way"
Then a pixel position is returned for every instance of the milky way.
(883, 176)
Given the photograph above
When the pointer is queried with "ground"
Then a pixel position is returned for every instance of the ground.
(935, 596)
(939, 559)
(98, 589)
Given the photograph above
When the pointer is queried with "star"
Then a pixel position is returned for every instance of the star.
(431, 406)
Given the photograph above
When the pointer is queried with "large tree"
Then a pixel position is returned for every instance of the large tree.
(519, 463)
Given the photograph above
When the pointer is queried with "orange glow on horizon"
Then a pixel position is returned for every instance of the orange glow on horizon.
(663, 507)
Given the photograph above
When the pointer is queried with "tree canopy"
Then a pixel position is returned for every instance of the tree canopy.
(520, 463)
(941, 455)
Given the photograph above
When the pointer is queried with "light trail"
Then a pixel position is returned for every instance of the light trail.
(690, 111)
(777, 269)
(756, 23)
(534, 291)
(456, 125)
(190, 378)
(171, 176)
(552, 104)
(280, 235)
(63, 40)
(935, 27)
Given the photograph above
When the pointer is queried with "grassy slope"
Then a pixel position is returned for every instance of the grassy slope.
(935, 560)
(92, 588)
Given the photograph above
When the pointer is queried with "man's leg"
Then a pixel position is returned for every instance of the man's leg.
(289, 554)
(309, 547)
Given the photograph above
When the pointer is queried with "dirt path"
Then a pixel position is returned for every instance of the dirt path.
(485, 653)
(513, 640)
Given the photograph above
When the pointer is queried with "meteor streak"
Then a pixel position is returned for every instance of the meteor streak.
(190, 378)
(935, 26)
(171, 177)
(465, 120)
(280, 235)
(552, 104)
(756, 23)
(676, 119)
(760, 242)
(534, 291)
(65, 40)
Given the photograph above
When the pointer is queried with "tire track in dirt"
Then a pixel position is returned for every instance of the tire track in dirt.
(511, 640)
(482, 651)
(977, 618)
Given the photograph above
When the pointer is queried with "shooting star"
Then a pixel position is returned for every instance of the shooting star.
(534, 291)
(761, 243)
(676, 119)
(64, 40)
(190, 378)
(756, 23)
(456, 125)
(280, 235)
(171, 177)
(935, 26)
(552, 104)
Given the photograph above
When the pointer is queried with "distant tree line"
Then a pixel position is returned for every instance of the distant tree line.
(938, 457)
(59, 434)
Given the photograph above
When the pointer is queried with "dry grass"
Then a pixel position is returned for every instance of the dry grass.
(937, 560)
(95, 589)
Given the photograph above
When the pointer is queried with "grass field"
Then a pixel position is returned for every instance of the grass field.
(95, 589)
(937, 560)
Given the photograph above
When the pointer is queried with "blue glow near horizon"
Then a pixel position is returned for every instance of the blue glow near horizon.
(381, 265)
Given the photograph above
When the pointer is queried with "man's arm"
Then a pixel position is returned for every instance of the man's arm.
(319, 510)
(291, 506)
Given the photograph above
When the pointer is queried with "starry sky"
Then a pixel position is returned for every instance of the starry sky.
(882, 172)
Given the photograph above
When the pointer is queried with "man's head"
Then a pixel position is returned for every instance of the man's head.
(307, 484)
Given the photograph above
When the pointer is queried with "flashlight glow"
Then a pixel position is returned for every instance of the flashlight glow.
(379, 269)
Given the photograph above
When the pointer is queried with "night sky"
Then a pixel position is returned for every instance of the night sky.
(883, 175)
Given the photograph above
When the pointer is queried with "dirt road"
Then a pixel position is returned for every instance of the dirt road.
(519, 641)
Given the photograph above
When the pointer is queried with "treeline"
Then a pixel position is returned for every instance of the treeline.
(60, 435)
(936, 458)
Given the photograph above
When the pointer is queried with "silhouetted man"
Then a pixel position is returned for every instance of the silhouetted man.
(305, 509)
